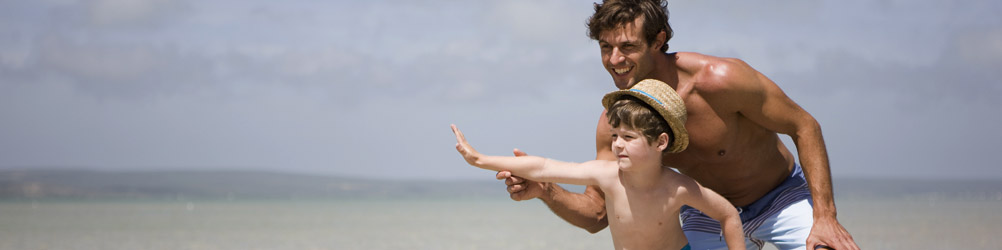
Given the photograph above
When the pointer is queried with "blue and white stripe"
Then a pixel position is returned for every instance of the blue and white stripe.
(694, 220)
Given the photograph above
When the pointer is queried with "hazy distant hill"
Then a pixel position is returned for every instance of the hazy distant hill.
(37, 184)
(49, 184)
(951, 189)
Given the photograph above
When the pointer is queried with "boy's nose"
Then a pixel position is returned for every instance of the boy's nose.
(617, 143)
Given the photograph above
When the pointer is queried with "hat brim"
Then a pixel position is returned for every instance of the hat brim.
(665, 101)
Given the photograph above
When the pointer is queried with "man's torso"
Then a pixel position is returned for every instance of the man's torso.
(728, 152)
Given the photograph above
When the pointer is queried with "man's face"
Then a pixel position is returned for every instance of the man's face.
(626, 55)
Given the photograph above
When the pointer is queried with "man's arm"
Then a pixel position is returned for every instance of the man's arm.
(585, 210)
(762, 101)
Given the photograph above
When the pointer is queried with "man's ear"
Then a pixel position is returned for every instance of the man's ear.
(660, 39)
(663, 141)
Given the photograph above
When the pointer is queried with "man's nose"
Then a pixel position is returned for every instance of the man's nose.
(616, 57)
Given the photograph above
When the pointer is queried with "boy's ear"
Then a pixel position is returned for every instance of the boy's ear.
(663, 141)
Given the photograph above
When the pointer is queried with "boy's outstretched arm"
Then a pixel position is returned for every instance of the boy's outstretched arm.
(718, 208)
(585, 210)
(531, 167)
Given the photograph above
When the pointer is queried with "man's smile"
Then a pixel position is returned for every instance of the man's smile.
(623, 70)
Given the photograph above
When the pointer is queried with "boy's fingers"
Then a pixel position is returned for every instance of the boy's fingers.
(518, 152)
(461, 143)
(455, 130)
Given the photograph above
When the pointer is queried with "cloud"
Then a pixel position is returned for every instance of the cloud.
(129, 12)
(323, 86)
(109, 68)
(545, 22)
(978, 47)
(186, 48)
(957, 72)
(882, 117)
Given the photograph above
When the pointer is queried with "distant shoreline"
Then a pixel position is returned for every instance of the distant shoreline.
(87, 184)
(249, 185)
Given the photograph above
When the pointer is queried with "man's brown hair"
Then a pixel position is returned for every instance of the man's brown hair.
(636, 114)
(611, 14)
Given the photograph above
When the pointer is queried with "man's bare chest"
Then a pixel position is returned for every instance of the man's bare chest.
(713, 133)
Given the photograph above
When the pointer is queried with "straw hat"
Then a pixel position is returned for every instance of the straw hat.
(662, 98)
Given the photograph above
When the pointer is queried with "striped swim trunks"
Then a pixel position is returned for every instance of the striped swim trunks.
(792, 190)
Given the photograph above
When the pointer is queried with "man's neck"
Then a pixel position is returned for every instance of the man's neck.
(665, 69)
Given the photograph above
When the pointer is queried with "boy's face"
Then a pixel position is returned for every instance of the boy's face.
(632, 149)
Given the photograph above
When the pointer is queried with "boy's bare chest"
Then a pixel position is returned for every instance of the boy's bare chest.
(646, 219)
(648, 211)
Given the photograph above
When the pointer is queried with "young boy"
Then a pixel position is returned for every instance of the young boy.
(643, 198)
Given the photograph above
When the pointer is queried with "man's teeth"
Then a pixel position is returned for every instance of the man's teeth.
(621, 70)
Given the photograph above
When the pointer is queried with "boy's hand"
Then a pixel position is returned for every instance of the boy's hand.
(464, 147)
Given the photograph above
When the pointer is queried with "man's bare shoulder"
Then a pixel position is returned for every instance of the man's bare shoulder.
(712, 73)
(699, 60)
(724, 83)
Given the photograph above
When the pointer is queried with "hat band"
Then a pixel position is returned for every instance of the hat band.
(648, 95)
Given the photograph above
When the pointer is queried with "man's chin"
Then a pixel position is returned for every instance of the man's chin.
(625, 84)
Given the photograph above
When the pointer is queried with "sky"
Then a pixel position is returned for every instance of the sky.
(369, 88)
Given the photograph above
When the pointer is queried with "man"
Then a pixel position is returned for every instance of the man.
(734, 115)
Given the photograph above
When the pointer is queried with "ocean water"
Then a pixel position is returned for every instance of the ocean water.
(474, 223)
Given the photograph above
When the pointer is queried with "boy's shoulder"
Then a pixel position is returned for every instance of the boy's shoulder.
(673, 173)
(609, 169)
(602, 171)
